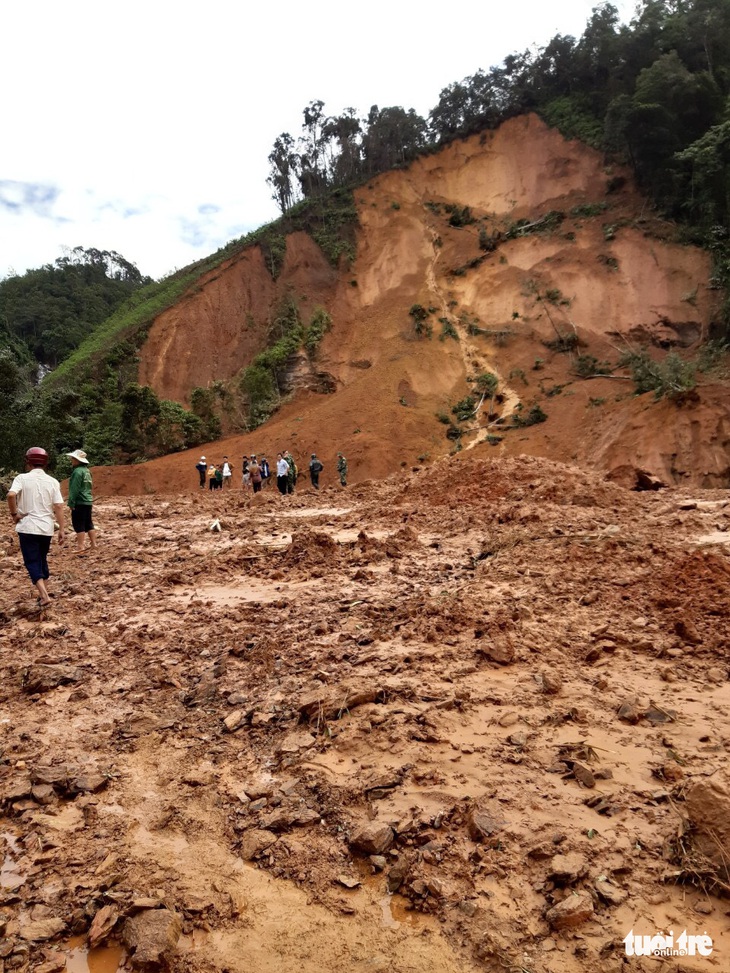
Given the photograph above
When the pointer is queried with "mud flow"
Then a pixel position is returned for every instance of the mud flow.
(458, 723)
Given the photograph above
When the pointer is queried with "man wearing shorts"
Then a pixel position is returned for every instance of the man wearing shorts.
(80, 501)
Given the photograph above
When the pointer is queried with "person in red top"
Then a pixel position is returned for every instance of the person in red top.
(35, 503)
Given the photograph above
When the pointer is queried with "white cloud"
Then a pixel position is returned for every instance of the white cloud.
(153, 121)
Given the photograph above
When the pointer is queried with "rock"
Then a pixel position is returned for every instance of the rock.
(483, 826)
(52, 965)
(146, 902)
(687, 631)
(41, 678)
(330, 703)
(611, 894)
(373, 839)
(468, 907)
(42, 929)
(379, 862)
(567, 869)
(348, 881)
(398, 873)
(18, 789)
(552, 684)
(508, 719)
(574, 910)
(104, 921)
(44, 794)
(200, 776)
(90, 783)
(629, 710)
(584, 775)
(151, 937)
(294, 742)
(717, 675)
(634, 478)
(234, 720)
(518, 739)
(254, 842)
(707, 805)
(502, 653)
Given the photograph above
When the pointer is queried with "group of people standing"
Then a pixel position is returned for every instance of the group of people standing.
(256, 473)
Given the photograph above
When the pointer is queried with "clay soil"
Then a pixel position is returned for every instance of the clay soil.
(446, 721)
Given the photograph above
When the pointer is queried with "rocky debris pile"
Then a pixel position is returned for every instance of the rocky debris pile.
(500, 721)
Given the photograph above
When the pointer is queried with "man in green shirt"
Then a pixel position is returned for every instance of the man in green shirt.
(80, 501)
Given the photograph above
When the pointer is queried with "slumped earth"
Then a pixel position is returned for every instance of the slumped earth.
(474, 717)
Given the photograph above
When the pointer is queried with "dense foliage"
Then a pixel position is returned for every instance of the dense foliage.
(92, 400)
(49, 311)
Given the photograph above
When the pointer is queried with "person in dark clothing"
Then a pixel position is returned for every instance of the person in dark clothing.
(202, 467)
(342, 469)
(315, 468)
(265, 471)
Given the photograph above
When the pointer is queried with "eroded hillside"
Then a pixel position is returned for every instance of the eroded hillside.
(511, 241)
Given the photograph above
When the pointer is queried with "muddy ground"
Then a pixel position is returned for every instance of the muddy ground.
(441, 722)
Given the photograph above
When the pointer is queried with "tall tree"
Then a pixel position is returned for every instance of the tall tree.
(283, 162)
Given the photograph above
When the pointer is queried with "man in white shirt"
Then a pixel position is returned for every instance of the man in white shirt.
(227, 473)
(35, 503)
(282, 473)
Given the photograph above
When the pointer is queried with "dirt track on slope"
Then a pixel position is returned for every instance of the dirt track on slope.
(410, 725)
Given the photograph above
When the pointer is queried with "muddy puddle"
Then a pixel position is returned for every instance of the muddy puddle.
(249, 591)
(311, 512)
(103, 959)
(716, 537)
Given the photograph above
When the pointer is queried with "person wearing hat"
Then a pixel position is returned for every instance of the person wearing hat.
(80, 500)
(202, 467)
(35, 504)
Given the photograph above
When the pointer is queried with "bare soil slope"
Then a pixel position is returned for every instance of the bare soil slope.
(473, 718)
(605, 272)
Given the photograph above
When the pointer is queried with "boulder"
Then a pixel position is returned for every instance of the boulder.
(567, 869)
(571, 912)
(707, 805)
(104, 921)
(151, 937)
(42, 929)
(42, 678)
(372, 839)
(483, 825)
(254, 842)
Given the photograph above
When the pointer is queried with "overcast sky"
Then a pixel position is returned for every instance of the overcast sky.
(144, 127)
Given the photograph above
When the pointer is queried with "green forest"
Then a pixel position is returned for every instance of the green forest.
(654, 93)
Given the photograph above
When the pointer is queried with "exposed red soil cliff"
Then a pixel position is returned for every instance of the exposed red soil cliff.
(606, 273)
